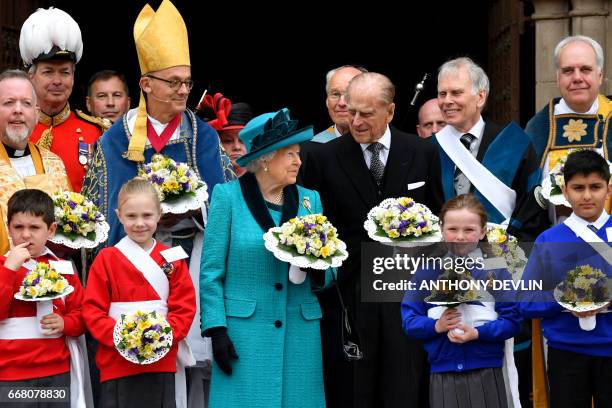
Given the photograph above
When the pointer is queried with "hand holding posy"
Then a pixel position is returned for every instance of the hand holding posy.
(449, 320)
(463, 334)
(52, 324)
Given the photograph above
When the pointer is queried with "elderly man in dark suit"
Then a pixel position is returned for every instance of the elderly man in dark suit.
(353, 173)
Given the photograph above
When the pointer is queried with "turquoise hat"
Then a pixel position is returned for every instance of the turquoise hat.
(269, 132)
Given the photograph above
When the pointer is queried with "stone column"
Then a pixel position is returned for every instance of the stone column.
(552, 24)
(590, 18)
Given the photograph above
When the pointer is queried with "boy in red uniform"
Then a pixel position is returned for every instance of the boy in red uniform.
(29, 356)
(136, 275)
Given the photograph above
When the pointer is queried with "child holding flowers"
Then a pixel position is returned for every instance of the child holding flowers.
(466, 359)
(575, 251)
(133, 277)
(33, 347)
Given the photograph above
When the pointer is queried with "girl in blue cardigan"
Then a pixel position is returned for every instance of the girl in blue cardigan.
(466, 353)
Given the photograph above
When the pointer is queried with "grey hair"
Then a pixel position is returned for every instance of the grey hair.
(583, 39)
(255, 164)
(480, 80)
(387, 89)
(19, 74)
(332, 72)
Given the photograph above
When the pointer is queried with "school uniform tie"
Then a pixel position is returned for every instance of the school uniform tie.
(592, 228)
(377, 168)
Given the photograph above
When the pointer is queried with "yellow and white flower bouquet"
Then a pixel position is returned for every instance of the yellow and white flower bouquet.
(142, 337)
(43, 282)
(402, 222)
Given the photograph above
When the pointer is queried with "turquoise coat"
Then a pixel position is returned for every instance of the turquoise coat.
(245, 288)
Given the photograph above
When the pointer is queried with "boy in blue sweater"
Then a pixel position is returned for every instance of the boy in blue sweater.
(579, 361)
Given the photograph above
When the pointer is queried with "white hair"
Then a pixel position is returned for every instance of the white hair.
(332, 72)
(599, 56)
(256, 164)
(480, 81)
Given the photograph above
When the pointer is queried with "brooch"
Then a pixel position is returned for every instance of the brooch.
(306, 204)
(168, 268)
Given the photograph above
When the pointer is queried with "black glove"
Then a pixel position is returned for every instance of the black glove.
(223, 348)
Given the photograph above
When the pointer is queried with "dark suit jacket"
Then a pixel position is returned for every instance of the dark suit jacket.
(528, 219)
(337, 170)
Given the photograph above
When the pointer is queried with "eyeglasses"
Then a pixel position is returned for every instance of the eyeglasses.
(175, 84)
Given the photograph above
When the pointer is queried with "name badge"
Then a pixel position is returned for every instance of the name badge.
(174, 254)
(609, 234)
(63, 267)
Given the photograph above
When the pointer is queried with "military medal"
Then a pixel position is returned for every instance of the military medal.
(84, 152)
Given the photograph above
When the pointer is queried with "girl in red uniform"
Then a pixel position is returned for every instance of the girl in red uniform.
(135, 275)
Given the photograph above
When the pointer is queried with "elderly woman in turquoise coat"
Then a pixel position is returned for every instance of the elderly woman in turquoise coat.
(264, 328)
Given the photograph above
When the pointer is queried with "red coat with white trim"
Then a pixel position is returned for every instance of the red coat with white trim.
(113, 278)
(35, 358)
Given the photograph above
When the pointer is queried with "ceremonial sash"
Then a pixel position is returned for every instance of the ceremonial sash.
(23, 328)
(158, 280)
(476, 315)
(588, 236)
(502, 197)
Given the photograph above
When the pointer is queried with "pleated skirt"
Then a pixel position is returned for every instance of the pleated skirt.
(150, 390)
(482, 388)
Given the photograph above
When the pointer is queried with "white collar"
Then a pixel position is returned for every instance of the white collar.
(562, 108)
(385, 140)
(336, 131)
(598, 223)
(130, 117)
(477, 130)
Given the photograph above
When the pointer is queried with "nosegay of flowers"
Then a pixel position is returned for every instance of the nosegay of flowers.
(403, 217)
(310, 235)
(43, 281)
(172, 180)
(144, 337)
(76, 215)
(585, 285)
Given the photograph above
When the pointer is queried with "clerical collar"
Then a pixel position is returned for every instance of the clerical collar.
(55, 119)
(16, 154)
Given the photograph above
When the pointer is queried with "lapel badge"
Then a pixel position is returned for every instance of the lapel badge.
(306, 204)
(168, 268)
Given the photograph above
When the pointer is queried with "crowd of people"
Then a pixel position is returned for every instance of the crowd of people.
(244, 333)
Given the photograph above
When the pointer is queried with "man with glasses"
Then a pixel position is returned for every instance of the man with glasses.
(162, 124)
(336, 82)
(69, 134)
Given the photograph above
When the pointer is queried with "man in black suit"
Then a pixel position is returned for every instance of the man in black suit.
(497, 165)
(354, 173)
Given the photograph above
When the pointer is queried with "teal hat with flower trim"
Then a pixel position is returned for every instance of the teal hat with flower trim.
(269, 132)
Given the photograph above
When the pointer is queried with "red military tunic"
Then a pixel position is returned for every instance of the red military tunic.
(67, 129)
(35, 358)
(113, 278)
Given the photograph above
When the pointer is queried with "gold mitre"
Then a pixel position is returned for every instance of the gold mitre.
(161, 38)
(161, 42)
